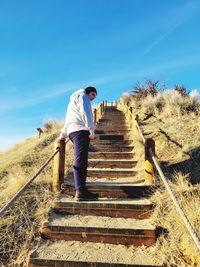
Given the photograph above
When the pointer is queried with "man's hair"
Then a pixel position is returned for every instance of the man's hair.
(90, 89)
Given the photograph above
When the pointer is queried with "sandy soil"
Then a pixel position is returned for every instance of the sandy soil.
(97, 252)
(142, 201)
(98, 221)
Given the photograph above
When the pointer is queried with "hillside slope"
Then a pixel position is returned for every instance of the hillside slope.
(19, 228)
(172, 119)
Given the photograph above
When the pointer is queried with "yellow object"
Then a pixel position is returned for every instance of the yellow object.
(149, 174)
(55, 169)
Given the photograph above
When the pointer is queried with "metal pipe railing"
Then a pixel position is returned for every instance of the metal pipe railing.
(18, 194)
(14, 198)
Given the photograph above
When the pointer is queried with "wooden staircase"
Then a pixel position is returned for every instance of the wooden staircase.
(101, 233)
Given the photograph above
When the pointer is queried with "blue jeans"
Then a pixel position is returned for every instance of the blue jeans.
(81, 142)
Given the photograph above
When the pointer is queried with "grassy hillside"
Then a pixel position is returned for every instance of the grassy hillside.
(172, 119)
(19, 228)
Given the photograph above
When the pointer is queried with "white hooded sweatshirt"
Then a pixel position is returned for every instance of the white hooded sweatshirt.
(79, 114)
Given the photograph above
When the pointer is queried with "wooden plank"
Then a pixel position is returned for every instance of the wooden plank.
(111, 142)
(111, 137)
(114, 121)
(136, 237)
(111, 155)
(111, 163)
(114, 124)
(75, 254)
(112, 208)
(112, 149)
(114, 191)
(111, 131)
(110, 173)
(34, 262)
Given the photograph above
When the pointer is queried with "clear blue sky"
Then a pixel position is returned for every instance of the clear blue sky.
(50, 48)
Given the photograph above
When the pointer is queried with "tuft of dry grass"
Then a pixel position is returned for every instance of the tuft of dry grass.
(177, 245)
(19, 228)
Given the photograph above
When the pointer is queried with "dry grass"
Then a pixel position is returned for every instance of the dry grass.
(176, 133)
(19, 228)
(172, 102)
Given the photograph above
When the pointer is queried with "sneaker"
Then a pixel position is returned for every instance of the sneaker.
(85, 195)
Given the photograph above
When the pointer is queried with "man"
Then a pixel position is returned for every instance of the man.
(79, 127)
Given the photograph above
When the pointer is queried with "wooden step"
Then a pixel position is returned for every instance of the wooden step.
(114, 189)
(88, 254)
(113, 124)
(110, 123)
(120, 113)
(124, 136)
(111, 108)
(114, 116)
(113, 128)
(112, 143)
(111, 148)
(110, 155)
(111, 131)
(111, 137)
(123, 231)
(114, 120)
(126, 208)
(94, 163)
(108, 173)
(114, 111)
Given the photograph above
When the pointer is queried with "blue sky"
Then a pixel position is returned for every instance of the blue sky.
(50, 48)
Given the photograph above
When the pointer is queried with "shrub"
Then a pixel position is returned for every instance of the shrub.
(141, 91)
(181, 89)
(49, 124)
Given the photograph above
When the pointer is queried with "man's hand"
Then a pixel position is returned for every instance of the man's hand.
(61, 137)
(92, 136)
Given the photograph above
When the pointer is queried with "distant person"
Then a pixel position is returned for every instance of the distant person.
(40, 131)
(79, 127)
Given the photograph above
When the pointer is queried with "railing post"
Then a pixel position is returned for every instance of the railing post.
(59, 166)
(95, 115)
(130, 114)
(101, 109)
(149, 171)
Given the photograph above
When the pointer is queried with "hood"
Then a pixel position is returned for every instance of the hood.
(78, 92)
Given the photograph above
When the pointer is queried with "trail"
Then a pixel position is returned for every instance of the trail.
(110, 231)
